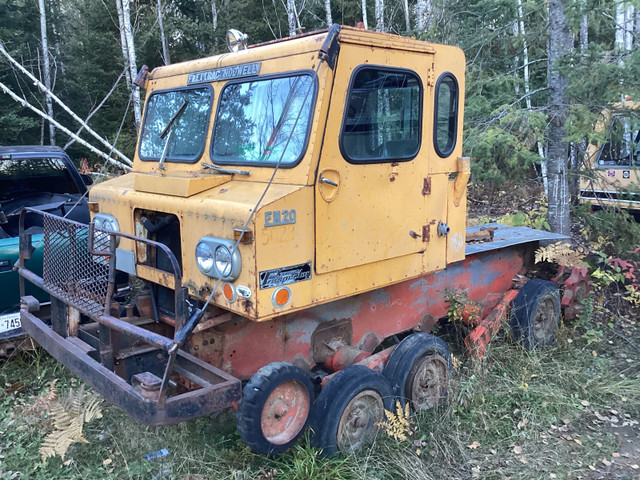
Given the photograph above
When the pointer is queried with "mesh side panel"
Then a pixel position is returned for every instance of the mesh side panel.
(70, 271)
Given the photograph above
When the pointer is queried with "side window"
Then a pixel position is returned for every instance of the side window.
(446, 115)
(382, 118)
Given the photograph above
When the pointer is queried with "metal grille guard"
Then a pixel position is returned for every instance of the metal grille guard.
(79, 273)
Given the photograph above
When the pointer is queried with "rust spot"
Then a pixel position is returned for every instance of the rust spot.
(426, 186)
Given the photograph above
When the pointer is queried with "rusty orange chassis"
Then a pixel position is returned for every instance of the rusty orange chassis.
(215, 360)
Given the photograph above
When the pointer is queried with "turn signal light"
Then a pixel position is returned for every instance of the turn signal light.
(229, 292)
(281, 297)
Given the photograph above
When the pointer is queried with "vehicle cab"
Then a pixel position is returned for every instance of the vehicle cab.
(295, 175)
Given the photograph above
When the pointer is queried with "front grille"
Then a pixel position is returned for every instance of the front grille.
(70, 272)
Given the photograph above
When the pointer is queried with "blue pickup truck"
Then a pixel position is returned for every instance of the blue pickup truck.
(42, 178)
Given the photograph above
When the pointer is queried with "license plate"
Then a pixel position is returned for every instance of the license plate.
(10, 322)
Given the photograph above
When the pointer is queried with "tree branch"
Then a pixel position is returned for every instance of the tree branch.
(24, 103)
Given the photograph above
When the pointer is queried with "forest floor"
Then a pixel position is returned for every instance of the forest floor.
(568, 412)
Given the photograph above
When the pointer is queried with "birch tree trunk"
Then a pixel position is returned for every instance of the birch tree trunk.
(214, 14)
(327, 11)
(129, 52)
(423, 14)
(46, 68)
(163, 38)
(364, 15)
(560, 43)
(291, 16)
(407, 20)
(620, 23)
(380, 16)
(584, 34)
(527, 91)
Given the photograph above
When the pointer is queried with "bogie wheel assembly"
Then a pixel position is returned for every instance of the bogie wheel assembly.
(535, 314)
(349, 408)
(419, 369)
(275, 407)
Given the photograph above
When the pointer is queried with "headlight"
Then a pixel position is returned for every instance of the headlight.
(204, 257)
(223, 261)
(106, 223)
(214, 258)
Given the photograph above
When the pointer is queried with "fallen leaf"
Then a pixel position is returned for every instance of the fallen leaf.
(624, 399)
(635, 466)
(613, 412)
(106, 461)
(615, 454)
(585, 403)
(577, 441)
(591, 467)
(598, 444)
(474, 445)
(595, 354)
(523, 460)
(606, 462)
(517, 449)
(552, 475)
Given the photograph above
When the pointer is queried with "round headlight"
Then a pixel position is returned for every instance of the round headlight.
(204, 256)
(109, 225)
(223, 261)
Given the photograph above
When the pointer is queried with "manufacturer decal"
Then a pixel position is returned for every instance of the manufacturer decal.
(285, 275)
(244, 292)
(611, 173)
(226, 73)
(279, 217)
(626, 174)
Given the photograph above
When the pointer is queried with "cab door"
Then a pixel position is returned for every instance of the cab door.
(373, 194)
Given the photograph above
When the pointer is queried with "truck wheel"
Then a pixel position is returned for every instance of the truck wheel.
(349, 408)
(535, 314)
(419, 369)
(275, 407)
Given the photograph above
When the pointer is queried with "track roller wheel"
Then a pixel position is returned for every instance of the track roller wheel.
(275, 407)
(535, 314)
(348, 409)
(419, 369)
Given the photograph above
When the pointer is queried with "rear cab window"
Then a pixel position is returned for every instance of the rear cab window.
(445, 131)
(383, 116)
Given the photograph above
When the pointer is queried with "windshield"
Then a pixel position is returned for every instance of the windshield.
(261, 121)
(622, 144)
(188, 131)
(25, 176)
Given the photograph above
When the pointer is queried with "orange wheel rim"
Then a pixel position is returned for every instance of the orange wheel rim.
(285, 412)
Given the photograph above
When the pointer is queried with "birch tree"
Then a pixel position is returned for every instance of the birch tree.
(327, 11)
(214, 14)
(527, 90)
(46, 66)
(129, 54)
(291, 17)
(560, 43)
(380, 16)
(364, 15)
(407, 20)
(423, 14)
(163, 38)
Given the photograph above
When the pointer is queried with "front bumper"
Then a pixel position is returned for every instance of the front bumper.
(132, 361)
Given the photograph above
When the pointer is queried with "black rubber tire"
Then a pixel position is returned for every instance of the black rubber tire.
(411, 350)
(536, 294)
(335, 398)
(255, 395)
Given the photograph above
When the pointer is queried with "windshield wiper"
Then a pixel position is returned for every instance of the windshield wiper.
(230, 171)
(168, 130)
